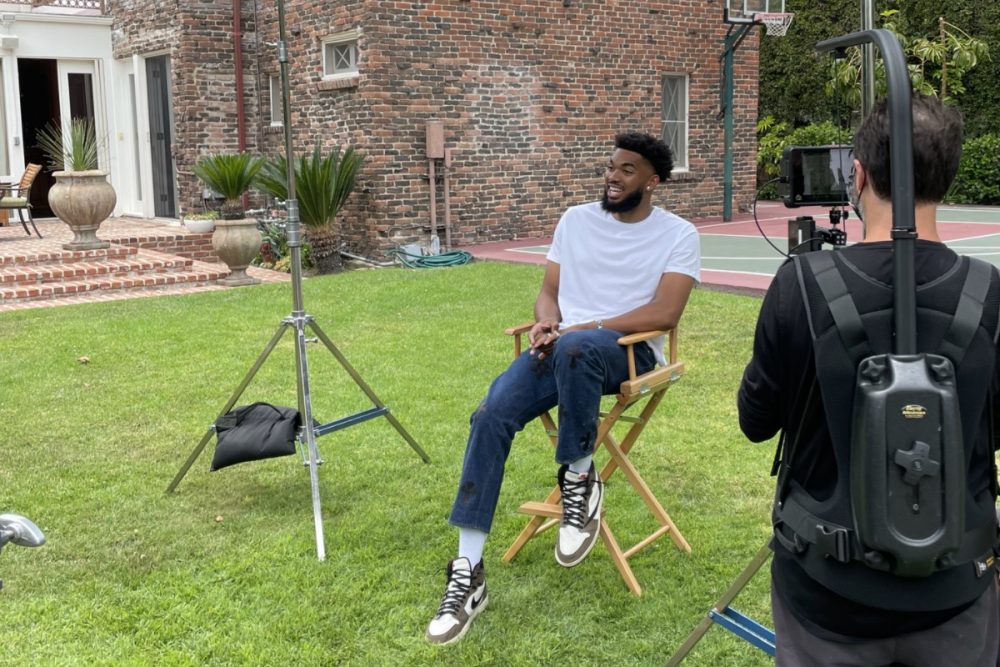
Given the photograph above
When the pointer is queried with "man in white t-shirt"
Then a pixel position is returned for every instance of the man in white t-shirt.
(617, 266)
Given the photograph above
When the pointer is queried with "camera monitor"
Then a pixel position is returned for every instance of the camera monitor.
(815, 175)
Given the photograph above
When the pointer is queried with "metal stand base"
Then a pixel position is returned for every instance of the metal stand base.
(310, 431)
(742, 626)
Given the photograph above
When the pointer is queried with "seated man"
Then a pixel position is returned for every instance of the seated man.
(616, 267)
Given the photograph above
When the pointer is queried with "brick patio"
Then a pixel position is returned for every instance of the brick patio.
(146, 258)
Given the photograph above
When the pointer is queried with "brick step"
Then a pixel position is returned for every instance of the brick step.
(187, 244)
(198, 274)
(48, 272)
(66, 256)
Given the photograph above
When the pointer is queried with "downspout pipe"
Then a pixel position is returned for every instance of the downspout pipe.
(241, 128)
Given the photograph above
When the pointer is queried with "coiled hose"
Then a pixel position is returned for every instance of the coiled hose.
(453, 258)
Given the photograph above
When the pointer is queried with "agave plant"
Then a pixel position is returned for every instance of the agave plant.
(231, 176)
(322, 183)
(78, 154)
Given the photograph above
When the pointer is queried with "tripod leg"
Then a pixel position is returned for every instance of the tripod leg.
(368, 390)
(229, 406)
(734, 589)
(305, 408)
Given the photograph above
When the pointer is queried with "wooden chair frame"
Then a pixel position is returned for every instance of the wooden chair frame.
(650, 386)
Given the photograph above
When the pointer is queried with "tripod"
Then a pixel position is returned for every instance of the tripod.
(742, 626)
(299, 320)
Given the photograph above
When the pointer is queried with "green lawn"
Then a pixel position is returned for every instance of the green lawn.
(223, 572)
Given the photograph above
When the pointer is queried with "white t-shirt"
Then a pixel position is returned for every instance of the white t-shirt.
(607, 267)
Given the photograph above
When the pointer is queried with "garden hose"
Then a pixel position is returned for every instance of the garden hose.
(453, 258)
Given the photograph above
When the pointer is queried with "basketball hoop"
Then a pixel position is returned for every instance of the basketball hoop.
(776, 22)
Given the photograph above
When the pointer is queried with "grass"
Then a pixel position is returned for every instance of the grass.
(223, 572)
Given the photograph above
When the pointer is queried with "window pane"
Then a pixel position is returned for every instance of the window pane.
(277, 112)
(340, 55)
(81, 96)
(674, 114)
(328, 58)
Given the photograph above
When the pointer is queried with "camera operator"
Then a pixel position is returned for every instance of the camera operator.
(837, 610)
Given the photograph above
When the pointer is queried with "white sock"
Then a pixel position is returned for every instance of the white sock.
(581, 465)
(470, 544)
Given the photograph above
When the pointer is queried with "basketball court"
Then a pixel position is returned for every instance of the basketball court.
(737, 255)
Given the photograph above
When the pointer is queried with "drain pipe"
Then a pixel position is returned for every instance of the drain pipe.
(447, 200)
(238, 64)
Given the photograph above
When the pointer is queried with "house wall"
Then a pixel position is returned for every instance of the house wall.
(531, 94)
(198, 37)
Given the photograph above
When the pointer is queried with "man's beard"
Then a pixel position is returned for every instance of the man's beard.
(629, 203)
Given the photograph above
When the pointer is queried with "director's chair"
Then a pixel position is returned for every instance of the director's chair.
(650, 386)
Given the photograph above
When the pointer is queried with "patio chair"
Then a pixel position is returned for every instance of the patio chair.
(18, 197)
(646, 389)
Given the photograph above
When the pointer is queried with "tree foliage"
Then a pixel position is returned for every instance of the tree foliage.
(792, 75)
(937, 64)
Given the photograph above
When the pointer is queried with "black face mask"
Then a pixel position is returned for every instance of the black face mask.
(625, 205)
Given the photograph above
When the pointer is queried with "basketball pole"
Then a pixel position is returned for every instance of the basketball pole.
(867, 60)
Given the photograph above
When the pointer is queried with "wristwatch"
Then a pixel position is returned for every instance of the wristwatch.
(600, 324)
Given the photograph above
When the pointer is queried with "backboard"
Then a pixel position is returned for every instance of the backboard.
(743, 11)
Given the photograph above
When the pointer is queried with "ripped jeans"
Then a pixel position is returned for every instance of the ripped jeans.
(583, 366)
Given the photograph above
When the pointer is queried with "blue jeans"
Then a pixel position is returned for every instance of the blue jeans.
(582, 366)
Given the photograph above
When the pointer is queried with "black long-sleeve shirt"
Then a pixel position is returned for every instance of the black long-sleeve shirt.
(775, 395)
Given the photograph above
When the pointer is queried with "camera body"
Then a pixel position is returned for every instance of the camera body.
(815, 175)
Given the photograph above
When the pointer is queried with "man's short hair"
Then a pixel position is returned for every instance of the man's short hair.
(654, 150)
(937, 148)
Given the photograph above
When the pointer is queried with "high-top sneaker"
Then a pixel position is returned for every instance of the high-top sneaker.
(582, 495)
(464, 597)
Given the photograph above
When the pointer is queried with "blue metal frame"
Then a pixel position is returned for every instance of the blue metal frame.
(745, 628)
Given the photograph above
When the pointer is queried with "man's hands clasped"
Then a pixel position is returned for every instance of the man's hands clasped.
(543, 336)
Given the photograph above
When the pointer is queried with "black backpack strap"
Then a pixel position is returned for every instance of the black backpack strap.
(841, 304)
(969, 311)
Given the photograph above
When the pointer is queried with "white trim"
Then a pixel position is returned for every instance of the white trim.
(75, 19)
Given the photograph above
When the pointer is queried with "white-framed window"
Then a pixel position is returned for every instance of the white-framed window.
(674, 117)
(277, 111)
(340, 55)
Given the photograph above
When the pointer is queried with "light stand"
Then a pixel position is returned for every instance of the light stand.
(299, 320)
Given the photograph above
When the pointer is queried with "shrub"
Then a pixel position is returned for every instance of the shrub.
(772, 139)
(978, 179)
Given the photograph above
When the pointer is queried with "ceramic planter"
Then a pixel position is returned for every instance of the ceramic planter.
(200, 225)
(82, 200)
(236, 242)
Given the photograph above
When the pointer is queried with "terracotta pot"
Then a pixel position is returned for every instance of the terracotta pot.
(82, 200)
(236, 242)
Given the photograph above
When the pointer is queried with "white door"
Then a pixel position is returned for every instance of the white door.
(129, 111)
(78, 98)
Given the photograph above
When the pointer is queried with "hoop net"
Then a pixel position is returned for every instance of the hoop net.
(776, 22)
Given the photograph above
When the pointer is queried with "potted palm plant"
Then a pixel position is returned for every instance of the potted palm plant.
(81, 197)
(236, 238)
(323, 184)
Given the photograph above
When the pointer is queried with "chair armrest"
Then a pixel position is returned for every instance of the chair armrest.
(519, 329)
(10, 189)
(630, 340)
(517, 332)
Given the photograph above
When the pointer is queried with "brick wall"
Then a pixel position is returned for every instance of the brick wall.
(531, 94)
